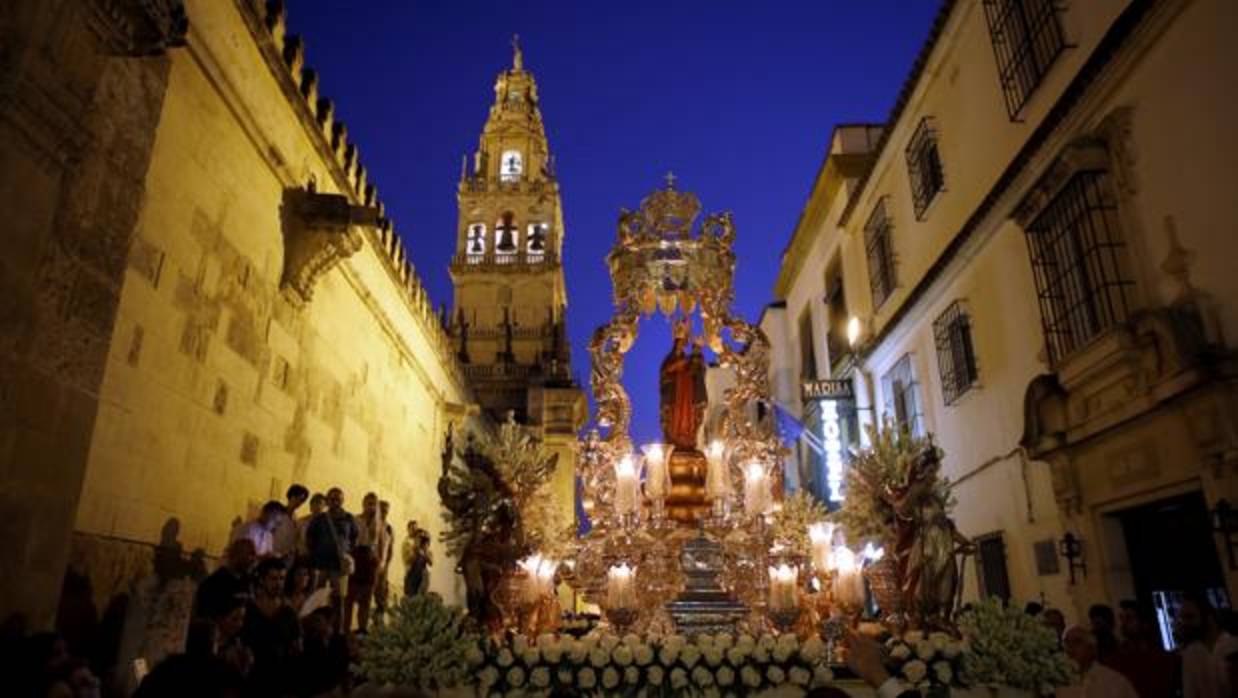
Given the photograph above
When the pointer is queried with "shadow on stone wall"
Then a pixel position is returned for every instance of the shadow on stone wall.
(145, 592)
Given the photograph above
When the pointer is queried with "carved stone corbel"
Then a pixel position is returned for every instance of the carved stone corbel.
(1117, 132)
(146, 28)
(320, 230)
(1084, 155)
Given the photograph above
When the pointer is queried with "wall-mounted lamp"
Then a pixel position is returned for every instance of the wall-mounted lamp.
(1225, 522)
(854, 328)
(1071, 548)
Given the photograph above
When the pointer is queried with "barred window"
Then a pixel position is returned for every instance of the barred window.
(1076, 259)
(902, 396)
(1027, 38)
(924, 166)
(956, 357)
(991, 566)
(808, 357)
(880, 254)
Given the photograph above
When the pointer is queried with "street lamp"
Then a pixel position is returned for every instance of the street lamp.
(1071, 548)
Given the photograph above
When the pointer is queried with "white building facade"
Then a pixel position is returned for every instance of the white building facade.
(1032, 258)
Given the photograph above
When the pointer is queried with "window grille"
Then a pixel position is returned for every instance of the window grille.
(880, 254)
(1027, 38)
(1076, 251)
(956, 355)
(902, 396)
(924, 166)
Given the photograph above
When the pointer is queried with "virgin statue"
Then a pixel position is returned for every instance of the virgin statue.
(682, 389)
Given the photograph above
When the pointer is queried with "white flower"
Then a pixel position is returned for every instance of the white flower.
(643, 654)
(952, 650)
(913, 636)
(631, 639)
(565, 676)
(504, 658)
(799, 676)
(474, 656)
(540, 677)
(599, 657)
(702, 676)
(900, 651)
(939, 639)
(488, 677)
(925, 650)
(776, 675)
(788, 640)
(530, 656)
(943, 672)
(577, 651)
(750, 676)
(515, 677)
(724, 641)
(668, 654)
(712, 655)
(737, 655)
(813, 650)
(690, 655)
(704, 640)
(767, 642)
(587, 678)
(622, 655)
(915, 670)
(782, 653)
(676, 641)
(760, 655)
(726, 676)
(631, 675)
(654, 675)
(821, 675)
(610, 677)
(610, 642)
(679, 678)
(552, 651)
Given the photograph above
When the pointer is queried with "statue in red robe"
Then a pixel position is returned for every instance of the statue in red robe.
(683, 396)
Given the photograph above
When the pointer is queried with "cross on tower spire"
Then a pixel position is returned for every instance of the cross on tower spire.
(670, 179)
(517, 56)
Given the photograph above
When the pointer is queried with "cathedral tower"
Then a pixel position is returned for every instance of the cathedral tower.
(508, 319)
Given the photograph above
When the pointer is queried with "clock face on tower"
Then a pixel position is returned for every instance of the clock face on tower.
(511, 166)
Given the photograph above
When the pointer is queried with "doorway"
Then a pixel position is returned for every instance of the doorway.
(1171, 551)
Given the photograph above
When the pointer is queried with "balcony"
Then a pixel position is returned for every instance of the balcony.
(504, 261)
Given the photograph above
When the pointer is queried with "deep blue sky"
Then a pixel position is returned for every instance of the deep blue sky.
(737, 98)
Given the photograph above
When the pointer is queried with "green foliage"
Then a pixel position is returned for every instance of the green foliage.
(425, 644)
(886, 464)
(1009, 647)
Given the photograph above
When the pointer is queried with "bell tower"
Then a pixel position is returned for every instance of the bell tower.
(508, 317)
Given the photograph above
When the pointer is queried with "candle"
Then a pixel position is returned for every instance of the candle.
(822, 537)
(619, 592)
(782, 581)
(627, 486)
(717, 482)
(756, 490)
(539, 577)
(656, 478)
(848, 584)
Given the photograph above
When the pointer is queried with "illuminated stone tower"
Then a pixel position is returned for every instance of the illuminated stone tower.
(508, 318)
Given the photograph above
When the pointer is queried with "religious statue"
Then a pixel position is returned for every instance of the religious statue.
(682, 389)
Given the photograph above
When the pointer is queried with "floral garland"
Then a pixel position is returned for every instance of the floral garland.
(650, 666)
(424, 643)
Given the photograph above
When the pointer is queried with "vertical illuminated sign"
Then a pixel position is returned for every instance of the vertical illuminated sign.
(832, 441)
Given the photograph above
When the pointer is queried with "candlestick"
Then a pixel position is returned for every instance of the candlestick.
(627, 486)
(782, 582)
(657, 478)
(848, 582)
(756, 490)
(822, 537)
(619, 592)
(717, 480)
(539, 577)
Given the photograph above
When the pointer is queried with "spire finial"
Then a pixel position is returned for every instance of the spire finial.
(517, 56)
(670, 179)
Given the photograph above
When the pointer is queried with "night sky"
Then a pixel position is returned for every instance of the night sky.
(737, 98)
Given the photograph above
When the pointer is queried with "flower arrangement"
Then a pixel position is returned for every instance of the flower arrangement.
(425, 644)
(1010, 648)
(888, 462)
(790, 523)
(926, 661)
(651, 666)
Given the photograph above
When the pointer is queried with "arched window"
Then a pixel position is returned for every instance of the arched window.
(536, 238)
(475, 244)
(505, 234)
(511, 166)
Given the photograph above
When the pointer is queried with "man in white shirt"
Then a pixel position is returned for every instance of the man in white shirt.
(1205, 651)
(259, 530)
(285, 533)
(1096, 679)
